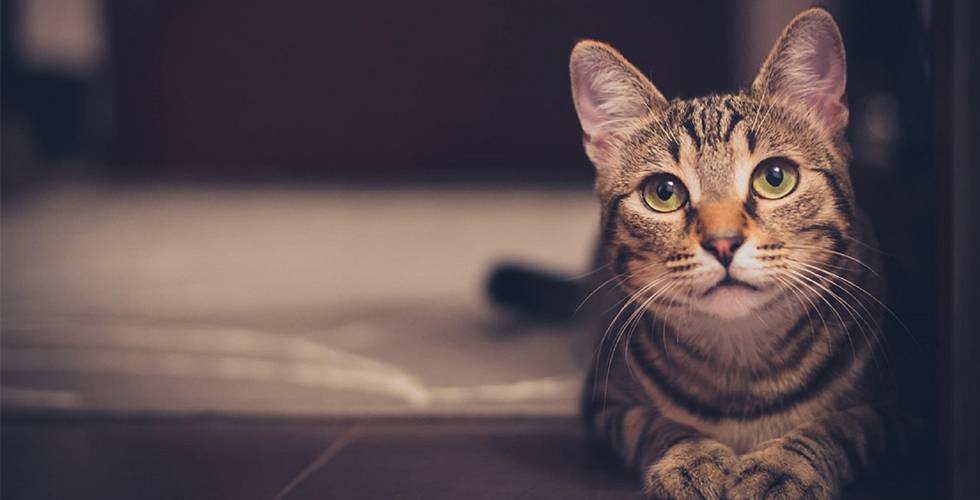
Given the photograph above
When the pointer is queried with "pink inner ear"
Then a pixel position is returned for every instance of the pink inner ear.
(607, 92)
(588, 110)
(828, 65)
(813, 70)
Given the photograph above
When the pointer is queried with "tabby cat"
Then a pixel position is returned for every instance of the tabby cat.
(744, 359)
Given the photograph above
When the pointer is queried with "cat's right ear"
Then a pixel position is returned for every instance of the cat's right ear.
(609, 93)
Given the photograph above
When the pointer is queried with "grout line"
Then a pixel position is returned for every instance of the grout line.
(328, 454)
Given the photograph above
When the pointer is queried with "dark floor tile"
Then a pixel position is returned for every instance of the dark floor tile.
(155, 460)
(469, 460)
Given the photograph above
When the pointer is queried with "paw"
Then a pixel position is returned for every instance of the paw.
(689, 470)
(777, 474)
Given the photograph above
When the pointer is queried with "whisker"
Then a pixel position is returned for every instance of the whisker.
(859, 319)
(608, 281)
(667, 132)
(798, 278)
(587, 273)
(642, 310)
(631, 325)
(834, 277)
(765, 92)
(813, 305)
(862, 290)
(632, 274)
(766, 116)
(638, 312)
(783, 284)
(677, 333)
(846, 256)
(869, 247)
(630, 299)
(643, 307)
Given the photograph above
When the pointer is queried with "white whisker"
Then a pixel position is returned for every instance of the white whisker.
(859, 320)
(846, 256)
(793, 275)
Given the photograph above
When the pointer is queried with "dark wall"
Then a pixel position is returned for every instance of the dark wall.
(957, 112)
(896, 177)
(401, 91)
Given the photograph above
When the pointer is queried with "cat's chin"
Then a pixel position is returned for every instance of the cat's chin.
(731, 301)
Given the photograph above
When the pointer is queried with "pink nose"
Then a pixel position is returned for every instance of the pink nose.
(723, 248)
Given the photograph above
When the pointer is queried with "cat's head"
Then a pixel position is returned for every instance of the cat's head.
(714, 201)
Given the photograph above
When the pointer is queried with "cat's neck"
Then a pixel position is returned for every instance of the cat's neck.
(743, 341)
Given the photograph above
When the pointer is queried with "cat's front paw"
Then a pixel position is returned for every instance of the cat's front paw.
(775, 473)
(690, 470)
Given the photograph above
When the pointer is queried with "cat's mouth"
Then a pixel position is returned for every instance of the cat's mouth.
(729, 282)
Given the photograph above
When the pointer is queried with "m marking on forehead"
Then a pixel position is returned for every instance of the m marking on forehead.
(691, 131)
(675, 150)
(733, 118)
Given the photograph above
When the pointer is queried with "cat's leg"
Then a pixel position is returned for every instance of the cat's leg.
(677, 462)
(815, 460)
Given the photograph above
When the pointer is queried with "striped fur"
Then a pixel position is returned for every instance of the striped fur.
(771, 390)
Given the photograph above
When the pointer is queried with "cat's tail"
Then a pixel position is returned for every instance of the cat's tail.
(535, 293)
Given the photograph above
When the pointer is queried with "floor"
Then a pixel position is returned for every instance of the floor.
(210, 459)
(316, 302)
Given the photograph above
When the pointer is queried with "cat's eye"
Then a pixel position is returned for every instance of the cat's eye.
(775, 178)
(664, 193)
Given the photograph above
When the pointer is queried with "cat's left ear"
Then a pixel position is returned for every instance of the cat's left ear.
(806, 67)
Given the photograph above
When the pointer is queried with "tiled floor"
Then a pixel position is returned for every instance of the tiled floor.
(217, 459)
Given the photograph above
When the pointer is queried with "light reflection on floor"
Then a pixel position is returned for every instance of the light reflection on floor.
(283, 301)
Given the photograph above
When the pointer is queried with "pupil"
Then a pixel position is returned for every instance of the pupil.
(774, 176)
(665, 190)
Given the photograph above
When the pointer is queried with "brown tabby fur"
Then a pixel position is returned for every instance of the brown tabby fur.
(780, 402)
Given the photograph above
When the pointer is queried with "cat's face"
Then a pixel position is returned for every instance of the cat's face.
(722, 204)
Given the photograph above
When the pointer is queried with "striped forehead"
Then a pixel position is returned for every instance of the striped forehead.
(708, 145)
(708, 142)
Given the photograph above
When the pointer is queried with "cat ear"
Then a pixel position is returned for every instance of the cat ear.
(806, 66)
(608, 92)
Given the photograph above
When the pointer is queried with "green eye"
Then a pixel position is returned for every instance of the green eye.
(664, 193)
(774, 178)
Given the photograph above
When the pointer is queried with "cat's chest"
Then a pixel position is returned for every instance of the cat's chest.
(745, 433)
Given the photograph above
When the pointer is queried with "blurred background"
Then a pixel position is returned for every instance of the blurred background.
(230, 226)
